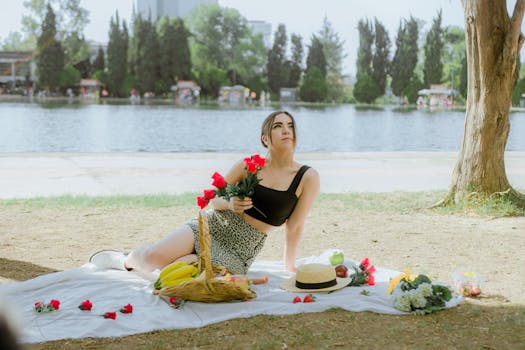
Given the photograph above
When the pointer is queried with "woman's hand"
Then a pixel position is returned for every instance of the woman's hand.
(238, 205)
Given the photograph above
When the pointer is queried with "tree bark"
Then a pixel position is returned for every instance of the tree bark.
(493, 41)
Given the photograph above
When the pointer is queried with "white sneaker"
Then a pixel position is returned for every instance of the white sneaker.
(109, 259)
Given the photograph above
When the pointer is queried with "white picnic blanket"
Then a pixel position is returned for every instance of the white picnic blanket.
(109, 290)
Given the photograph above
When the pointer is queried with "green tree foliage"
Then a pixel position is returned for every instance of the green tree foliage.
(404, 62)
(364, 53)
(69, 77)
(175, 60)
(316, 57)
(434, 46)
(314, 87)
(182, 52)
(221, 38)
(296, 63)
(133, 52)
(99, 63)
(380, 61)
(16, 42)
(453, 52)
(211, 79)
(78, 52)
(50, 55)
(366, 89)
(413, 88)
(333, 48)
(70, 17)
(276, 69)
(117, 57)
(147, 70)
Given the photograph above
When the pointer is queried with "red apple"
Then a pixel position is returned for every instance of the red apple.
(341, 271)
(475, 292)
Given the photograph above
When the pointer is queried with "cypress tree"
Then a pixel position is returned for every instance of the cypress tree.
(99, 62)
(276, 60)
(316, 57)
(296, 68)
(117, 58)
(333, 48)
(380, 61)
(434, 45)
(148, 70)
(364, 53)
(50, 55)
(182, 50)
(405, 58)
(167, 51)
(314, 88)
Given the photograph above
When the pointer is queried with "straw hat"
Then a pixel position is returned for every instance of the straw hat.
(315, 278)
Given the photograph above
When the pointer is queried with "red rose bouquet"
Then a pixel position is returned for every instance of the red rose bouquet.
(364, 275)
(243, 188)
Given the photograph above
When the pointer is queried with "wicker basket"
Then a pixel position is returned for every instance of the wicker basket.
(206, 288)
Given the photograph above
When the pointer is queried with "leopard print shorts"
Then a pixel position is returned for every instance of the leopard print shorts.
(234, 243)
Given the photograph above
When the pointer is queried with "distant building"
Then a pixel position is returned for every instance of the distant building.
(437, 96)
(288, 94)
(170, 8)
(263, 28)
(17, 67)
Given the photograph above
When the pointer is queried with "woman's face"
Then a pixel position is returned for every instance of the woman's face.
(282, 131)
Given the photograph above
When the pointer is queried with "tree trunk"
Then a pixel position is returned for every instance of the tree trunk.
(493, 41)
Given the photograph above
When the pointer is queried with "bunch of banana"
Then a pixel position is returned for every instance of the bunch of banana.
(175, 273)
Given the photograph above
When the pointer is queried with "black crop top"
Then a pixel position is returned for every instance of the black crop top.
(276, 205)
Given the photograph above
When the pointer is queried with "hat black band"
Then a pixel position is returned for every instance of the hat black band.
(320, 285)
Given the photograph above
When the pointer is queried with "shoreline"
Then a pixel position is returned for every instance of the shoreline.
(27, 175)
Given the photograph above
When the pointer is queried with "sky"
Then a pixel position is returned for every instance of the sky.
(299, 16)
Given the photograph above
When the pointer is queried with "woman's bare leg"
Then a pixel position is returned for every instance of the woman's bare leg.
(178, 245)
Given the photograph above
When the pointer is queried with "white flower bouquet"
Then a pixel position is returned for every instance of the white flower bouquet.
(417, 294)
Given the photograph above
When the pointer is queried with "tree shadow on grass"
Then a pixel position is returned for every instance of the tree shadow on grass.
(21, 270)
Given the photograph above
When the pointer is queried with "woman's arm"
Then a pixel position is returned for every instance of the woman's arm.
(295, 224)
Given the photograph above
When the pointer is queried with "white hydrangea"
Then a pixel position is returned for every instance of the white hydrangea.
(426, 289)
(417, 299)
(401, 300)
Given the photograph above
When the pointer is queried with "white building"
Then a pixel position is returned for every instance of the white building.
(170, 8)
(263, 28)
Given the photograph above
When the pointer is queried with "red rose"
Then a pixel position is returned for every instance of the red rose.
(251, 167)
(86, 305)
(260, 161)
(218, 180)
(112, 315)
(296, 300)
(209, 194)
(127, 309)
(55, 304)
(370, 269)
(202, 202)
(365, 262)
(370, 280)
(177, 302)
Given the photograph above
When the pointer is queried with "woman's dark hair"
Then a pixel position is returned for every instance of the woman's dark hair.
(266, 128)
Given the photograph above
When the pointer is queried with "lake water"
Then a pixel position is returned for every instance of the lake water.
(62, 127)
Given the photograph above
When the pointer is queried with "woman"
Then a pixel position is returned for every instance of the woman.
(284, 196)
